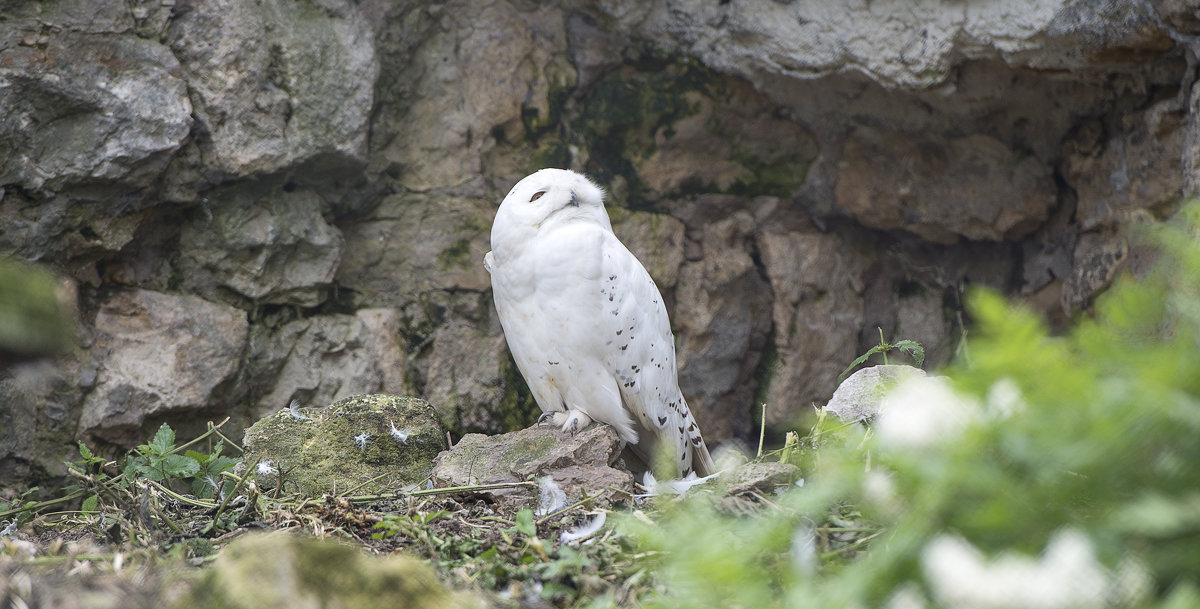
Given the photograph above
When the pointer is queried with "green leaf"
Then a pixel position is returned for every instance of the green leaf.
(85, 452)
(914, 349)
(89, 504)
(858, 360)
(164, 440)
(525, 523)
(180, 466)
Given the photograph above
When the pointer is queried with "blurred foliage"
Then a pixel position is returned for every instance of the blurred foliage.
(1075, 481)
(36, 311)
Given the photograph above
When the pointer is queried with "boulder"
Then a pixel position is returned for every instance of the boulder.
(284, 570)
(277, 83)
(80, 107)
(861, 395)
(580, 463)
(388, 440)
(160, 355)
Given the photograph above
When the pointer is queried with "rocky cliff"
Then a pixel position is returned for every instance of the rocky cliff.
(257, 201)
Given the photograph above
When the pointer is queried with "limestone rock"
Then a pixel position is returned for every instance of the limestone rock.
(860, 396)
(390, 439)
(272, 247)
(672, 124)
(465, 82)
(655, 239)
(436, 242)
(721, 320)
(80, 107)
(277, 83)
(1133, 170)
(912, 45)
(37, 424)
(283, 570)
(817, 281)
(160, 354)
(579, 463)
(317, 360)
(763, 477)
(942, 189)
(464, 377)
(1099, 255)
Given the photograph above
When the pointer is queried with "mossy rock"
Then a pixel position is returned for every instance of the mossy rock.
(287, 570)
(348, 443)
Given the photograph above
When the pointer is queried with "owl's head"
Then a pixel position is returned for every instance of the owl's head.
(548, 198)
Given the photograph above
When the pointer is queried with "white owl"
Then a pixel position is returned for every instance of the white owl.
(584, 320)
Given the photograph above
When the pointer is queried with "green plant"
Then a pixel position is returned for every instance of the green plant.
(911, 347)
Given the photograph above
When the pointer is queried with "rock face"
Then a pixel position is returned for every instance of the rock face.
(257, 201)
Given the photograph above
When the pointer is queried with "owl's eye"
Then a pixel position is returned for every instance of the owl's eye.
(537, 195)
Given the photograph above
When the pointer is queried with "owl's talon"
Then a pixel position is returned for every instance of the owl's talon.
(545, 417)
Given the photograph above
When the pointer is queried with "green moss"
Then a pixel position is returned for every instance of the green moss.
(778, 177)
(629, 105)
(517, 409)
(457, 255)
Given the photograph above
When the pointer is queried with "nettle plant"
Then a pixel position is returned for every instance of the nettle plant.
(159, 461)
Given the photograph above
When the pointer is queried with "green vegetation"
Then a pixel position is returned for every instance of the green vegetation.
(912, 348)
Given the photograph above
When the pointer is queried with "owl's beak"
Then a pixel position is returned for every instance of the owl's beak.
(574, 200)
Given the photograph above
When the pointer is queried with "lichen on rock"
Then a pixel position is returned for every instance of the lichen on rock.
(389, 441)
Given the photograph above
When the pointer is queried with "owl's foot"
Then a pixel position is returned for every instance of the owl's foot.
(571, 420)
(575, 421)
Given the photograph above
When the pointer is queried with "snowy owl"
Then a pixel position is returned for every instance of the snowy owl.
(584, 320)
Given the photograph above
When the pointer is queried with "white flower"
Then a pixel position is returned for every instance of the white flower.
(1004, 399)
(922, 411)
(1067, 575)
(880, 489)
(804, 551)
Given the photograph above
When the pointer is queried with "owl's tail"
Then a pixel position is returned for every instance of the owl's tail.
(702, 461)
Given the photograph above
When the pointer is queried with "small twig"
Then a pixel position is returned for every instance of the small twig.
(439, 491)
(762, 430)
(237, 487)
(211, 430)
(200, 503)
(355, 488)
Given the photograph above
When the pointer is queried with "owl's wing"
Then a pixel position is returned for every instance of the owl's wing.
(641, 356)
